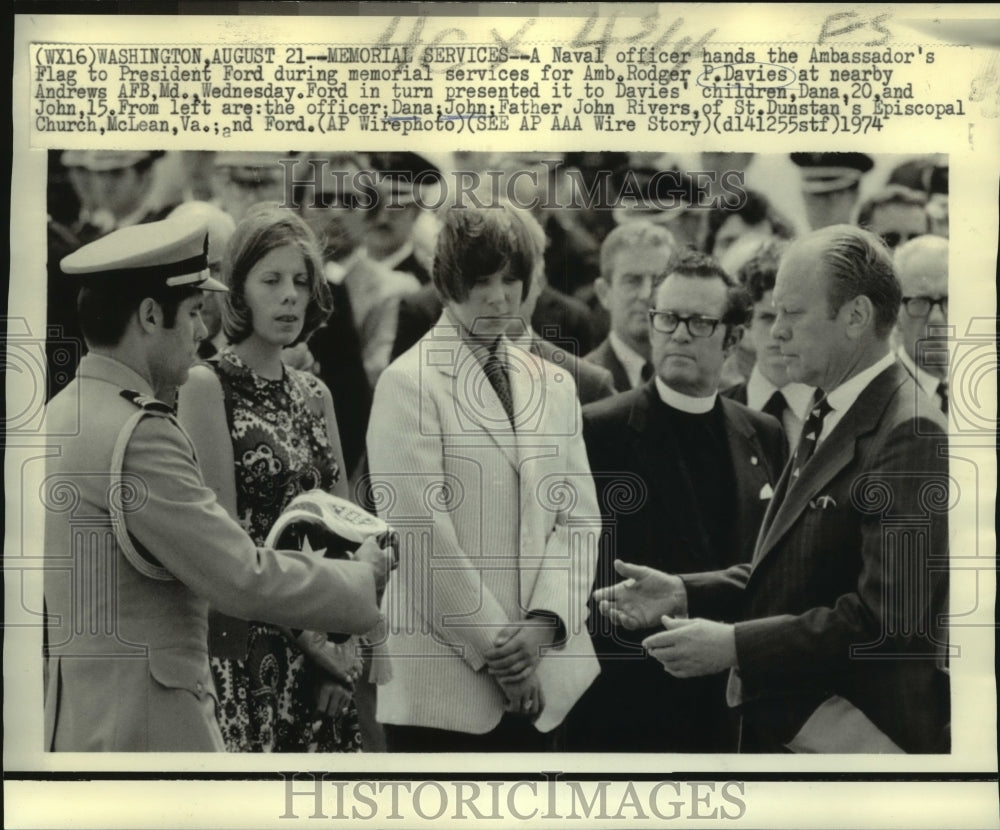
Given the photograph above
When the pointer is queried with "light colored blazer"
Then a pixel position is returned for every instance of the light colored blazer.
(494, 522)
(136, 549)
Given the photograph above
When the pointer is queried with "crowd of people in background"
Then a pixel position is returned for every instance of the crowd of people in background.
(673, 317)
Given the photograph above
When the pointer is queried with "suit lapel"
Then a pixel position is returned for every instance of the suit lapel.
(606, 357)
(618, 373)
(475, 399)
(532, 407)
(833, 455)
(750, 468)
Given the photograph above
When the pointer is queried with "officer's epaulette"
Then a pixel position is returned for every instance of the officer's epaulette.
(146, 402)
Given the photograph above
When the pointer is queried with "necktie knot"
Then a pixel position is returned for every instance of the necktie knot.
(776, 405)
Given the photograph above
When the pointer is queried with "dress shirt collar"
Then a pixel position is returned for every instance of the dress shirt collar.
(925, 380)
(629, 357)
(524, 339)
(798, 396)
(397, 256)
(685, 403)
(843, 397)
(480, 348)
(336, 271)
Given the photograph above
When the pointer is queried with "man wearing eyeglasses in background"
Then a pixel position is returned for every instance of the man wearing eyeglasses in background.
(922, 266)
(683, 476)
(842, 642)
(896, 214)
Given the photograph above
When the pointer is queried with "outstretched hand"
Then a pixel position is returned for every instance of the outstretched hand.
(643, 597)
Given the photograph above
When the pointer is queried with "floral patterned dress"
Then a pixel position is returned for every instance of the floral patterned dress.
(281, 448)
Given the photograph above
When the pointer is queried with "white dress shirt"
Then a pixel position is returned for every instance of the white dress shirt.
(397, 256)
(798, 396)
(925, 380)
(843, 397)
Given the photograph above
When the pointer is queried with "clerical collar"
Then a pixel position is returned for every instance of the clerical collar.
(685, 403)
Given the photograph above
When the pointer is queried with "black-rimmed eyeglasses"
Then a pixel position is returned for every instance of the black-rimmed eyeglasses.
(697, 326)
(922, 306)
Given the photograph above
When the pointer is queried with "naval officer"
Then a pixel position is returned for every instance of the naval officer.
(136, 546)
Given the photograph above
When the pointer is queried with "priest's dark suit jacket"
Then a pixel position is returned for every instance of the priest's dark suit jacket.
(848, 586)
(592, 382)
(651, 517)
(736, 392)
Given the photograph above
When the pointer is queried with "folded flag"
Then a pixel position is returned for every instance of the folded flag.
(329, 525)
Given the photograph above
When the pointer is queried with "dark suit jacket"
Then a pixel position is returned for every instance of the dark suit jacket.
(558, 318)
(849, 579)
(737, 392)
(337, 348)
(592, 382)
(412, 265)
(605, 356)
(564, 320)
(935, 398)
(651, 517)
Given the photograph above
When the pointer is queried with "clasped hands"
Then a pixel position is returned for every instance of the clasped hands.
(513, 659)
(686, 647)
(338, 667)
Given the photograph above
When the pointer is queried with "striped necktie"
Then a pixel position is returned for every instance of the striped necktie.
(496, 372)
(811, 431)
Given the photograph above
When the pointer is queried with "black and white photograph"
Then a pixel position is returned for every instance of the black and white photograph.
(637, 472)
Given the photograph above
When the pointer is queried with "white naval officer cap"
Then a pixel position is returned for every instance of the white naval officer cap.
(172, 253)
(830, 172)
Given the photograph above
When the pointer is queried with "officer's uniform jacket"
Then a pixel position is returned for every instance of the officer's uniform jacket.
(136, 549)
